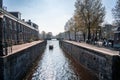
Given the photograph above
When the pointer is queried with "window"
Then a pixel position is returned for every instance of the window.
(10, 24)
(15, 26)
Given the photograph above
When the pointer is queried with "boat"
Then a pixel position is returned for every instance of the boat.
(51, 47)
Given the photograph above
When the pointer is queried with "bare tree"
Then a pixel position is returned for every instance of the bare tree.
(116, 13)
(91, 13)
(43, 34)
(74, 26)
(68, 26)
(79, 24)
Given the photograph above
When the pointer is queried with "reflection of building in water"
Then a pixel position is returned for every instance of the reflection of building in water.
(117, 37)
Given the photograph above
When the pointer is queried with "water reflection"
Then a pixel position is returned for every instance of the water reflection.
(55, 65)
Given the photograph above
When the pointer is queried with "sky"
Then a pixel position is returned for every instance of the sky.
(51, 15)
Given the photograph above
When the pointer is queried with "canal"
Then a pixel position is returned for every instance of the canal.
(57, 65)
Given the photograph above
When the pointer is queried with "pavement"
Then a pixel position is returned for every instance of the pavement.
(17, 48)
(95, 48)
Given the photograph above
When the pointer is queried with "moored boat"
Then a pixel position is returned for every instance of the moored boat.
(50, 46)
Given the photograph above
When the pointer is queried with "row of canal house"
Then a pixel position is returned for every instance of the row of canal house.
(14, 30)
(117, 37)
(108, 32)
(111, 32)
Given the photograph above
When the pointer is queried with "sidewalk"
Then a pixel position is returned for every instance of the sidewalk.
(92, 47)
(17, 48)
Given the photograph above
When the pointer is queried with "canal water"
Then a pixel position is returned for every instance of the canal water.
(57, 65)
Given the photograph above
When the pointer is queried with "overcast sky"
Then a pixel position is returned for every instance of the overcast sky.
(51, 15)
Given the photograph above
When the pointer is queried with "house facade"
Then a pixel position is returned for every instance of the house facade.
(13, 30)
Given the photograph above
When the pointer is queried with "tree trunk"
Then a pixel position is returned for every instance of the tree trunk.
(84, 36)
(100, 34)
(75, 35)
(69, 35)
(89, 34)
(96, 35)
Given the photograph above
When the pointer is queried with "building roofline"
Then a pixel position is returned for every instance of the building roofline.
(7, 14)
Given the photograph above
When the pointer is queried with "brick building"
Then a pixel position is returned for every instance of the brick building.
(13, 30)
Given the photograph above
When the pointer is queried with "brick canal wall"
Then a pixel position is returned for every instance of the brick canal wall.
(15, 66)
(106, 67)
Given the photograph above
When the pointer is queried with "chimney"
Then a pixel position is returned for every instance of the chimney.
(1, 3)
(29, 20)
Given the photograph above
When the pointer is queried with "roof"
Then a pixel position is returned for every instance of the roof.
(7, 14)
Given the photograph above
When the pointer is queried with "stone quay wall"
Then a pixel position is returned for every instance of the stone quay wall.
(105, 66)
(15, 66)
